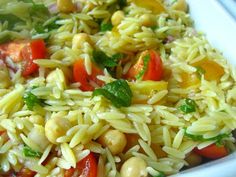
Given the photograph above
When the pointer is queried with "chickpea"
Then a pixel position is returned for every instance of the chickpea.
(37, 135)
(79, 40)
(180, 5)
(117, 17)
(56, 127)
(65, 6)
(148, 20)
(36, 119)
(134, 167)
(4, 77)
(193, 159)
(114, 140)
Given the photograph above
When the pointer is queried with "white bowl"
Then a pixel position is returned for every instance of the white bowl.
(211, 18)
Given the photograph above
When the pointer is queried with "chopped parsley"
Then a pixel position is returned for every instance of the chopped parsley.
(104, 61)
(11, 20)
(106, 27)
(28, 152)
(188, 106)
(161, 174)
(31, 100)
(217, 138)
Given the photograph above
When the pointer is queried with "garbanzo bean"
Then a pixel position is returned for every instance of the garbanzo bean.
(117, 17)
(114, 140)
(65, 6)
(180, 5)
(134, 167)
(4, 77)
(37, 135)
(56, 127)
(79, 40)
(148, 20)
(36, 119)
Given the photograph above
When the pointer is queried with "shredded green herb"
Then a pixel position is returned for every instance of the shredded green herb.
(188, 106)
(28, 152)
(31, 100)
(218, 138)
(45, 29)
(153, 28)
(145, 67)
(161, 174)
(118, 92)
(11, 20)
(106, 27)
(105, 61)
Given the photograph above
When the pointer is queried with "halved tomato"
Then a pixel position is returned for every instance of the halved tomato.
(212, 152)
(87, 167)
(81, 76)
(148, 67)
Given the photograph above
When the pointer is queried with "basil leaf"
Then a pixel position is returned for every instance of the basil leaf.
(146, 60)
(105, 61)
(106, 27)
(118, 92)
(188, 106)
(31, 100)
(11, 19)
(28, 152)
(122, 3)
(217, 138)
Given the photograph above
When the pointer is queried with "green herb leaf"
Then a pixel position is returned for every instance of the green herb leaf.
(39, 9)
(47, 26)
(118, 92)
(200, 71)
(188, 106)
(31, 100)
(28, 152)
(106, 27)
(105, 61)
(122, 3)
(11, 19)
(154, 27)
(161, 174)
(217, 138)
(145, 67)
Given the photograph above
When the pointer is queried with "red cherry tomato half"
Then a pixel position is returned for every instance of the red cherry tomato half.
(154, 68)
(81, 76)
(87, 167)
(33, 50)
(212, 152)
(25, 52)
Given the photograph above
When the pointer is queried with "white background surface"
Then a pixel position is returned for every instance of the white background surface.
(220, 29)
